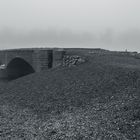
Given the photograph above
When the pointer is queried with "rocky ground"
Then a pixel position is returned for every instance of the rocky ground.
(96, 100)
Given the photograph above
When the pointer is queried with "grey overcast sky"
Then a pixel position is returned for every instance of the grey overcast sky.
(109, 24)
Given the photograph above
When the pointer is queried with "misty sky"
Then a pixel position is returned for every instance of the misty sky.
(109, 24)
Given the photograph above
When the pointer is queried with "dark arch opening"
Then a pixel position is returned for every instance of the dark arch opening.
(18, 67)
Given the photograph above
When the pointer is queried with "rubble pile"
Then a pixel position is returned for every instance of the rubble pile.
(73, 60)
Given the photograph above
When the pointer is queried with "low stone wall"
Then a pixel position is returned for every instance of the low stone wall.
(73, 60)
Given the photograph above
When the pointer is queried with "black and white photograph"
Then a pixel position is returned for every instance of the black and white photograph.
(69, 70)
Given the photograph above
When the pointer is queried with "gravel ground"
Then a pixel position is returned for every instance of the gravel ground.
(97, 100)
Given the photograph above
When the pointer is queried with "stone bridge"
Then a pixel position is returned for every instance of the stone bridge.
(20, 62)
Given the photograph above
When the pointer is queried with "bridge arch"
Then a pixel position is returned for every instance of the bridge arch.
(18, 67)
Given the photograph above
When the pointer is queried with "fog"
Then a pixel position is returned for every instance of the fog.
(108, 24)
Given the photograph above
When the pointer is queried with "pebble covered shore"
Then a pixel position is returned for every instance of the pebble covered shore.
(95, 100)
